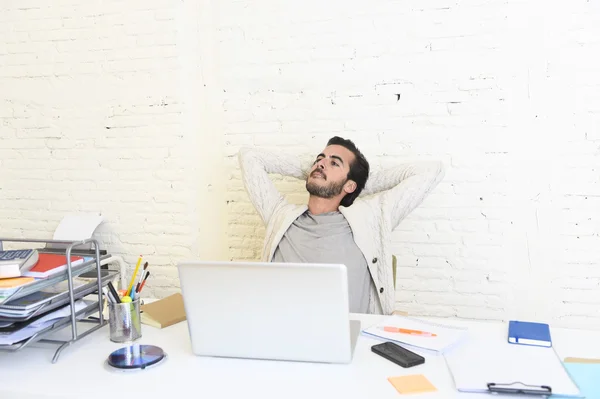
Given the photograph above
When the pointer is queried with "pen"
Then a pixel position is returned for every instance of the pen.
(144, 282)
(106, 295)
(138, 287)
(114, 292)
(106, 299)
(407, 331)
(142, 274)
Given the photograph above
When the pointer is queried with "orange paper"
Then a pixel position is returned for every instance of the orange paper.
(417, 383)
(15, 282)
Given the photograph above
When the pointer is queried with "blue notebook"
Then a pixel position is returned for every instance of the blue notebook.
(527, 333)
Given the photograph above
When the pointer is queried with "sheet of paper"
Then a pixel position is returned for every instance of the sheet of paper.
(483, 360)
(417, 383)
(446, 336)
(64, 311)
(40, 324)
(586, 376)
(77, 226)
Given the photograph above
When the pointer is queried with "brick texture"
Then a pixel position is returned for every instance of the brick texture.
(91, 121)
(98, 113)
(506, 96)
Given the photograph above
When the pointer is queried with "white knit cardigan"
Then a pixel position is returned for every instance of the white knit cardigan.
(388, 197)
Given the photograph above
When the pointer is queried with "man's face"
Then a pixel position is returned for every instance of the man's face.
(329, 175)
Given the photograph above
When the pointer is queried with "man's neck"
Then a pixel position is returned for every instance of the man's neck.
(317, 205)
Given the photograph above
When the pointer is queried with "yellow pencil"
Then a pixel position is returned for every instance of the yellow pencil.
(139, 262)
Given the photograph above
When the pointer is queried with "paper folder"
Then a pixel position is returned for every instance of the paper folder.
(489, 364)
(585, 374)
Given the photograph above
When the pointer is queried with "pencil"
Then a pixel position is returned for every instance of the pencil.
(137, 267)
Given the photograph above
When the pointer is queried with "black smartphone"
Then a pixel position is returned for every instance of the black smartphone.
(397, 354)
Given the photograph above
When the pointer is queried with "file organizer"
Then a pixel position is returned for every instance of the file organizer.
(83, 315)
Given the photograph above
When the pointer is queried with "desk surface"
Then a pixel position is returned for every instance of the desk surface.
(80, 370)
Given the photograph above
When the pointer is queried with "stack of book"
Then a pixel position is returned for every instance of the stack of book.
(22, 267)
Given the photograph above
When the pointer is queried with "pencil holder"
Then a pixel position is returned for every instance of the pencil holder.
(124, 321)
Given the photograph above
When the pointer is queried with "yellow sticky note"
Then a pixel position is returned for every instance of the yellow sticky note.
(580, 360)
(412, 384)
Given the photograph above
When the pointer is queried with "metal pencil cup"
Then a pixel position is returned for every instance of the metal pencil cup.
(124, 321)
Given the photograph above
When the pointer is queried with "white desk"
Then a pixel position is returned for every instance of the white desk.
(80, 370)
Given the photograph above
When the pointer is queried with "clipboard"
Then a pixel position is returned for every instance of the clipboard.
(518, 388)
(489, 364)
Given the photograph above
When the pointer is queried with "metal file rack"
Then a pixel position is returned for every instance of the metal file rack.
(82, 315)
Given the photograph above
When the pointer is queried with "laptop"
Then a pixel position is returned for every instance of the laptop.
(275, 311)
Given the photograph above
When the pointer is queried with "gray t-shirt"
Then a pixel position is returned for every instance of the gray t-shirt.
(327, 238)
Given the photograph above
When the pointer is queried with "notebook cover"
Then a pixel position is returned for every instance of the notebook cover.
(164, 312)
(528, 333)
(51, 263)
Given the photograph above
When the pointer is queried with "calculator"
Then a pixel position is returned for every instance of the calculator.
(15, 255)
(15, 262)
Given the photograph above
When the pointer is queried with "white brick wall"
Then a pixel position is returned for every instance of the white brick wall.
(123, 107)
(505, 92)
(93, 117)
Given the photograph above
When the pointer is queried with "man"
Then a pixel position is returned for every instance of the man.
(336, 226)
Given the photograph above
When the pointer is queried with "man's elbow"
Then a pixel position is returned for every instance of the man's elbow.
(244, 151)
(245, 154)
(435, 169)
(438, 168)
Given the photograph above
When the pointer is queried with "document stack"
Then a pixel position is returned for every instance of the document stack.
(49, 291)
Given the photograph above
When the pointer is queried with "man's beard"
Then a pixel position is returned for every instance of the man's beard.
(327, 191)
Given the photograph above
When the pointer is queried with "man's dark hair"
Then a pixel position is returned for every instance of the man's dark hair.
(359, 169)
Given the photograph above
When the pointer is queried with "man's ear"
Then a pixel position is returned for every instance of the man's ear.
(350, 186)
